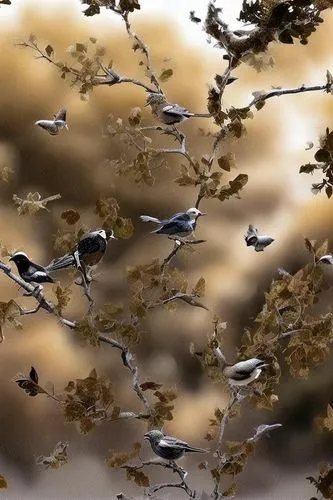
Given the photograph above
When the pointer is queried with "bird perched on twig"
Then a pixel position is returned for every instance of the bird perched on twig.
(29, 271)
(258, 242)
(181, 224)
(169, 448)
(244, 372)
(168, 113)
(54, 126)
(88, 252)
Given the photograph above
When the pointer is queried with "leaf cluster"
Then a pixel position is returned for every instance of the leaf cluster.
(56, 459)
(324, 162)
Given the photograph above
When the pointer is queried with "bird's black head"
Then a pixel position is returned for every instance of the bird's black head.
(21, 259)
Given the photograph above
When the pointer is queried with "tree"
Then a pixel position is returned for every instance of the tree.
(288, 327)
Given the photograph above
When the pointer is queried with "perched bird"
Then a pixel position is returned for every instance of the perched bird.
(88, 252)
(168, 447)
(244, 372)
(181, 224)
(54, 126)
(29, 271)
(326, 259)
(168, 113)
(258, 242)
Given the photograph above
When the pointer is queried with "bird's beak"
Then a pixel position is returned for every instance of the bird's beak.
(145, 436)
(66, 127)
(113, 237)
(202, 214)
(11, 259)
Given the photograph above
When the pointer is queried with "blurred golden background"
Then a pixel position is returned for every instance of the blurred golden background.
(277, 200)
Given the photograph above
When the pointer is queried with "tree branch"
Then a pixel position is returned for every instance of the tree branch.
(297, 90)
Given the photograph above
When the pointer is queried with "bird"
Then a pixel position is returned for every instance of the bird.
(244, 372)
(168, 113)
(181, 224)
(54, 126)
(252, 238)
(29, 271)
(88, 252)
(326, 259)
(169, 448)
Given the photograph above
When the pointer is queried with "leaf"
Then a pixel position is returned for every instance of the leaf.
(323, 156)
(309, 244)
(123, 228)
(226, 162)
(134, 118)
(29, 384)
(49, 51)
(5, 173)
(70, 216)
(116, 459)
(3, 482)
(150, 386)
(165, 75)
(10, 313)
(63, 295)
(199, 289)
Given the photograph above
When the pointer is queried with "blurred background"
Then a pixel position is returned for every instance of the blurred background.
(277, 200)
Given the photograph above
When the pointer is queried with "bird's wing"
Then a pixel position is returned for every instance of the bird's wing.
(262, 242)
(61, 115)
(36, 267)
(48, 125)
(175, 226)
(179, 216)
(171, 442)
(89, 244)
(175, 110)
(252, 231)
(243, 368)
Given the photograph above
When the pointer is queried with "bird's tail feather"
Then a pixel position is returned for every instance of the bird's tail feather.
(197, 450)
(147, 218)
(61, 263)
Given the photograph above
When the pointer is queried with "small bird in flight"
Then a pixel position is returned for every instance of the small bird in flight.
(54, 126)
(168, 113)
(169, 448)
(181, 224)
(29, 271)
(88, 252)
(244, 372)
(258, 242)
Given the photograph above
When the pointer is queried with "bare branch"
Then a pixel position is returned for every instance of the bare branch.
(297, 90)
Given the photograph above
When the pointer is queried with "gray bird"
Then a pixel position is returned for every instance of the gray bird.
(326, 259)
(253, 239)
(181, 224)
(244, 372)
(54, 126)
(168, 113)
(29, 271)
(168, 447)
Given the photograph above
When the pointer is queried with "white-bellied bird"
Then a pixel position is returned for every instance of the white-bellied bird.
(169, 113)
(54, 126)
(29, 271)
(253, 239)
(169, 448)
(180, 224)
(244, 372)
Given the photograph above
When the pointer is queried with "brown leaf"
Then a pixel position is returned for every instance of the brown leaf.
(70, 216)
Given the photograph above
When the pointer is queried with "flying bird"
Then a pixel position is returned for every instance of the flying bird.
(169, 448)
(29, 271)
(181, 224)
(88, 252)
(168, 113)
(244, 372)
(54, 126)
(253, 239)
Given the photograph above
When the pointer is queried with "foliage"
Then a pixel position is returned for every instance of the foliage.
(288, 327)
